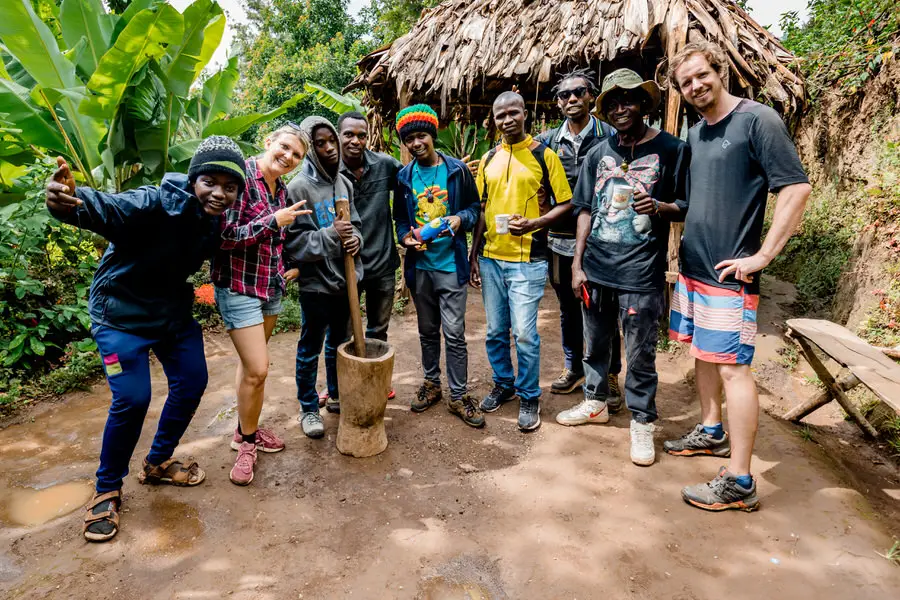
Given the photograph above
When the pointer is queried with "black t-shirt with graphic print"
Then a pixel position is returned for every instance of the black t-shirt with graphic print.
(625, 250)
(736, 163)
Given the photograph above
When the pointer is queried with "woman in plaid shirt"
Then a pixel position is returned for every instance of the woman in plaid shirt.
(249, 277)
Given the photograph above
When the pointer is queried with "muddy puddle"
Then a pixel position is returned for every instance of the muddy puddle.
(30, 507)
(168, 527)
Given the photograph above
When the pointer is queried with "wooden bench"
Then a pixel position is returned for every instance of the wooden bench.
(866, 365)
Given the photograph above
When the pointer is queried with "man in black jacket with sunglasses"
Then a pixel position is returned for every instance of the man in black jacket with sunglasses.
(581, 131)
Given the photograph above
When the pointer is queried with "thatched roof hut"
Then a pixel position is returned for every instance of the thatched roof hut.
(462, 53)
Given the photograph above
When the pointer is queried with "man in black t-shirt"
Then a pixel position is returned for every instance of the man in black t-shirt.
(631, 185)
(741, 151)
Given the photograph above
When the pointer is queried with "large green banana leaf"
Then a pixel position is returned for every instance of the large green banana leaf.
(89, 20)
(36, 123)
(14, 69)
(339, 103)
(186, 55)
(214, 100)
(143, 39)
(33, 45)
(235, 126)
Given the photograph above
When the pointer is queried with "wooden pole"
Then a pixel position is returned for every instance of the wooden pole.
(342, 206)
(819, 400)
(839, 395)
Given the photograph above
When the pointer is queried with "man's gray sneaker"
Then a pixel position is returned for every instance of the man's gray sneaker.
(698, 442)
(312, 425)
(529, 414)
(567, 382)
(498, 396)
(614, 397)
(722, 493)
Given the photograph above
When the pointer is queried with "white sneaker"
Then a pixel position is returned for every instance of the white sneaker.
(589, 411)
(312, 424)
(642, 451)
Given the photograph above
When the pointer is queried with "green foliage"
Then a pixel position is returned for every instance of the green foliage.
(111, 91)
(45, 273)
(286, 45)
(390, 19)
(815, 258)
(844, 43)
(460, 140)
(289, 319)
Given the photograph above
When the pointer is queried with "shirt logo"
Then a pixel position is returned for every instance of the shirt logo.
(725, 144)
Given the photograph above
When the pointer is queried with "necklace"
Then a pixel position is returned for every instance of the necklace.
(429, 192)
(625, 163)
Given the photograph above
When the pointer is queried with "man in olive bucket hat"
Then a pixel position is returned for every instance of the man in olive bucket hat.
(629, 188)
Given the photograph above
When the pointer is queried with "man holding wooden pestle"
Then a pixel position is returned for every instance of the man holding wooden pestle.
(315, 243)
(524, 191)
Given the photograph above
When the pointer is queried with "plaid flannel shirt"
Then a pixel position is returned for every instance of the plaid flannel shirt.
(249, 259)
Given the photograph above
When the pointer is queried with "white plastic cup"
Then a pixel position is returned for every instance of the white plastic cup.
(501, 223)
(622, 194)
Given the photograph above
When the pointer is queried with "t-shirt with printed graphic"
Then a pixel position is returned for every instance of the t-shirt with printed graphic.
(625, 250)
(513, 178)
(737, 162)
(430, 187)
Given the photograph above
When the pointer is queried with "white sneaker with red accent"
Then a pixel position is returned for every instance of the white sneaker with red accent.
(589, 411)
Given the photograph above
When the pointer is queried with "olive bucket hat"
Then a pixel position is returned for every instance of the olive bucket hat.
(626, 79)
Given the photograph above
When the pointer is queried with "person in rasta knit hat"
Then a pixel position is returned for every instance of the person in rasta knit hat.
(435, 186)
(140, 301)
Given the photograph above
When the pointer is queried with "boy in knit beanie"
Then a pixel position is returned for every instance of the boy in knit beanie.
(140, 301)
(436, 186)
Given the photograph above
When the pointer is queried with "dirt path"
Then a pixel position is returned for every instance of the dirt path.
(561, 513)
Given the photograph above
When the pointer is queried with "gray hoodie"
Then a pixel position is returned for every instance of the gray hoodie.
(311, 242)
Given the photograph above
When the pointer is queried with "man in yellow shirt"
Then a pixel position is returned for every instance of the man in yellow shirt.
(524, 190)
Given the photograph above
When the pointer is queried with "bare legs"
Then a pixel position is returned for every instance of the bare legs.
(743, 407)
(250, 380)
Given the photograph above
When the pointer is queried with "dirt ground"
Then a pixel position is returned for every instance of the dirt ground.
(448, 512)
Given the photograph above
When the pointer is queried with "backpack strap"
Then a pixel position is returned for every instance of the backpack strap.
(537, 150)
(484, 163)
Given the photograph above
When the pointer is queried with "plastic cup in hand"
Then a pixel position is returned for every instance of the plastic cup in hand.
(501, 223)
(622, 195)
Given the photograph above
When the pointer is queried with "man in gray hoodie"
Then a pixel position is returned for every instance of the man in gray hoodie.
(315, 243)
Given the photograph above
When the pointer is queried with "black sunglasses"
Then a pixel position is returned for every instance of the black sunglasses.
(577, 92)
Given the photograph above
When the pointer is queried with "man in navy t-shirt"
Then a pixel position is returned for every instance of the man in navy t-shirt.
(741, 151)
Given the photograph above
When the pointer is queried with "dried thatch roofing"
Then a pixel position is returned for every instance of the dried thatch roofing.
(463, 52)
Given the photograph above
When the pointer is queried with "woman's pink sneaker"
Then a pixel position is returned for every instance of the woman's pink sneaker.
(266, 441)
(242, 472)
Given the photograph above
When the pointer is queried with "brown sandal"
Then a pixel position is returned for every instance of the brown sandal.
(111, 515)
(172, 472)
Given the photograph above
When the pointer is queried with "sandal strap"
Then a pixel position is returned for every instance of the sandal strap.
(113, 495)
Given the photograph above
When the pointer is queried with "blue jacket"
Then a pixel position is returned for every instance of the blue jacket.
(159, 236)
(463, 202)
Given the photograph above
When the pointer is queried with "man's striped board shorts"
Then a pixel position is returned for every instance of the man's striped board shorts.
(718, 323)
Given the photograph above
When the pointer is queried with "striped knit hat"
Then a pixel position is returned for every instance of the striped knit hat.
(415, 118)
(218, 154)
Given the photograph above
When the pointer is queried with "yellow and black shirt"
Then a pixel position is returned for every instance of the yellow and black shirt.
(513, 177)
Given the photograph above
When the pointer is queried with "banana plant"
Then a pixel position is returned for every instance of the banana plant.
(121, 96)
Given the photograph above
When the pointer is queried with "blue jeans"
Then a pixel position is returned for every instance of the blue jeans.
(320, 313)
(512, 292)
(239, 311)
(126, 360)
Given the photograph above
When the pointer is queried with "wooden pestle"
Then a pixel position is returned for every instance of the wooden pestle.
(342, 208)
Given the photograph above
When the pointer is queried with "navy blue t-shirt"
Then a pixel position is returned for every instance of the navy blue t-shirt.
(735, 164)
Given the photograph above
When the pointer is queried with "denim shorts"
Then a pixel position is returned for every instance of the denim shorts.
(239, 311)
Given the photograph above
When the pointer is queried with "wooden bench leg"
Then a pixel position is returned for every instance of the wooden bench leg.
(819, 400)
(835, 389)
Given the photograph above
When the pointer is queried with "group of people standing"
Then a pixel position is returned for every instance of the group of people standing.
(588, 204)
